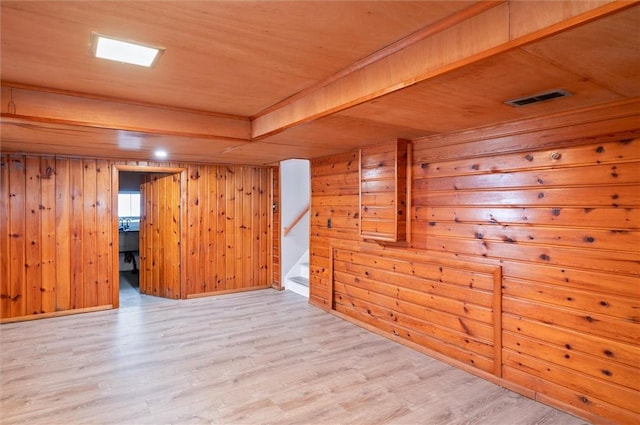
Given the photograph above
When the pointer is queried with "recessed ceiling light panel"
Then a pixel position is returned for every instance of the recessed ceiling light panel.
(124, 51)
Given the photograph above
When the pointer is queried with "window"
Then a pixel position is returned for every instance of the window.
(128, 204)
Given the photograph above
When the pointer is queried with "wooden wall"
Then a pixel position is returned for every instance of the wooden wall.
(159, 236)
(228, 228)
(554, 205)
(56, 232)
(276, 280)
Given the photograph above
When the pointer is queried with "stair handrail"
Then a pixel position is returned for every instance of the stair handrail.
(296, 220)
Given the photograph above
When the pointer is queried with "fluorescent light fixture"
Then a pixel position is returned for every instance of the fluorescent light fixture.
(160, 153)
(124, 51)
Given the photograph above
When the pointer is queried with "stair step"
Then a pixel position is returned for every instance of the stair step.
(301, 280)
(304, 270)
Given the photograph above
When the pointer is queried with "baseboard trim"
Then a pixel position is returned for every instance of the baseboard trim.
(55, 314)
(227, 291)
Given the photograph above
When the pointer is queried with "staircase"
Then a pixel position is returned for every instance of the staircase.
(297, 280)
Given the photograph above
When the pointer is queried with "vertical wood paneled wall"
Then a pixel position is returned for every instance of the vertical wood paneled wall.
(55, 233)
(56, 242)
(159, 241)
(556, 207)
(276, 200)
(228, 228)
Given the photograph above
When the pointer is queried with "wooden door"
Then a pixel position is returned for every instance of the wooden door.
(160, 235)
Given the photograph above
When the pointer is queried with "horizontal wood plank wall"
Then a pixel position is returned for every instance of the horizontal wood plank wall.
(383, 191)
(451, 307)
(562, 220)
(570, 286)
(56, 238)
(335, 217)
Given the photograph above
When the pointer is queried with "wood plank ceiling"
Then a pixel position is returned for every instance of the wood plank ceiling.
(255, 82)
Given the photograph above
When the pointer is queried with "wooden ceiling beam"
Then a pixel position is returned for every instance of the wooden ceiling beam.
(476, 33)
(31, 104)
(395, 47)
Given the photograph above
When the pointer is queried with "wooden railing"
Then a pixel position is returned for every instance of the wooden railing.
(296, 220)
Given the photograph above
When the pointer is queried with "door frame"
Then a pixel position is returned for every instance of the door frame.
(115, 181)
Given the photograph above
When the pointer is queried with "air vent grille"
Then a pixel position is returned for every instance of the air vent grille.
(540, 97)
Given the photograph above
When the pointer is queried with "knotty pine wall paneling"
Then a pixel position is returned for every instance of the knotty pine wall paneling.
(450, 307)
(560, 220)
(274, 210)
(56, 249)
(509, 207)
(383, 191)
(228, 229)
(160, 235)
(335, 209)
(56, 232)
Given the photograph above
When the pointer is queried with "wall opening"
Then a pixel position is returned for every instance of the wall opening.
(147, 248)
(129, 206)
(295, 189)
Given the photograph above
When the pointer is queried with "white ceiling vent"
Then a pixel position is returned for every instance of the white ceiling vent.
(539, 97)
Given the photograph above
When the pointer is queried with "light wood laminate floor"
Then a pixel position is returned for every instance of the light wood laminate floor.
(262, 357)
(130, 295)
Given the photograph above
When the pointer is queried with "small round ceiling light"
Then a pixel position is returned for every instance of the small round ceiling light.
(160, 153)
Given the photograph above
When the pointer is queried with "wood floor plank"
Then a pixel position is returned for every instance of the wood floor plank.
(248, 358)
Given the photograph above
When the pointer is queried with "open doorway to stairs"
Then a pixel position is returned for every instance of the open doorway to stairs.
(295, 198)
(147, 238)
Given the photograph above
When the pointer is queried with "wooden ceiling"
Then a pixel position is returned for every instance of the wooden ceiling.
(256, 82)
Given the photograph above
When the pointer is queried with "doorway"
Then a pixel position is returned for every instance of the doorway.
(129, 207)
(295, 189)
(148, 234)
